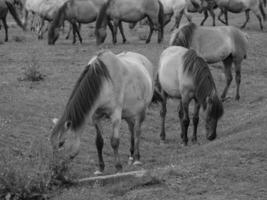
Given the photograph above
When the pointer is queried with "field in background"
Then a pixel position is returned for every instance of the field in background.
(234, 166)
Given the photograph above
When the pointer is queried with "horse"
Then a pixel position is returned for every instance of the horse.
(5, 7)
(185, 76)
(215, 44)
(75, 11)
(111, 86)
(44, 10)
(238, 6)
(129, 11)
(183, 7)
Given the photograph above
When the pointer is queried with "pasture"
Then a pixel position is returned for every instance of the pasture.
(234, 166)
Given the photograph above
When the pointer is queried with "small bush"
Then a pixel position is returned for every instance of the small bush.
(32, 72)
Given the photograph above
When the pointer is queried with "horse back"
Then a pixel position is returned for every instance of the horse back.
(171, 73)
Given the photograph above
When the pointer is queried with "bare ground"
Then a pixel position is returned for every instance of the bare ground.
(234, 166)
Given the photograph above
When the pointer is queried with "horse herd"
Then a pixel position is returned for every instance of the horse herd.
(157, 13)
(122, 86)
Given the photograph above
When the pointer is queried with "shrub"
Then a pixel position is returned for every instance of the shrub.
(27, 176)
(32, 72)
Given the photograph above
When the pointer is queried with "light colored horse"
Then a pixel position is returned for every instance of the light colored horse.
(215, 44)
(43, 9)
(5, 7)
(183, 75)
(114, 86)
(75, 11)
(129, 11)
(184, 7)
(178, 8)
(238, 6)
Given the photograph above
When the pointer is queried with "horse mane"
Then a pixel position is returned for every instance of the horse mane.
(196, 67)
(84, 94)
(57, 19)
(183, 36)
(102, 15)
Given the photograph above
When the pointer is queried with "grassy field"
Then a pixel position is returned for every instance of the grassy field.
(234, 166)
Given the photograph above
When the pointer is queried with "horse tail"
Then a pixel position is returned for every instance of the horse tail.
(14, 14)
(157, 95)
(161, 20)
(262, 9)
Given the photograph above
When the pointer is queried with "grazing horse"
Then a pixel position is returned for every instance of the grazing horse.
(5, 6)
(183, 75)
(75, 11)
(129, 11)
(114, 86)
(44, 9)
(215, 44)
(238, 6)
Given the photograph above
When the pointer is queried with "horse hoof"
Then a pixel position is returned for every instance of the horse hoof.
(237, 97)
(98, 173)
(130, 160)
(137, 163)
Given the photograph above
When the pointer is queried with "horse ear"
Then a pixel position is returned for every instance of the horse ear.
(67, 124)
(55, 120)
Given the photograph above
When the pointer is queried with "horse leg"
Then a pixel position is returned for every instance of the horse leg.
(247, 19)
(77, 29)
(163, 112)
(69, 31)
(184, 119)
(237, 78)
(99, 145)
(195, 121)
(212, 14)
(151, 29)
(137, 131)
(111, 29)
(115, 29)
(130, 123)
(228, 75)
(122, 32)
(220, 15)
(259, 18)
(205, 17)
(226, 17)
(115, 139)
(6, 28)
(178, 18)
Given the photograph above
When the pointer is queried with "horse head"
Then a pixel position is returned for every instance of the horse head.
(214, 111)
